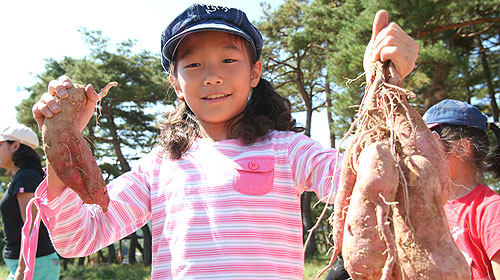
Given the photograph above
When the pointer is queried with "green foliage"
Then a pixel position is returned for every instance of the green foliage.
(293, 55)
(449, 63)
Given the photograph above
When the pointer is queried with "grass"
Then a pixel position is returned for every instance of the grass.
(4, 271)
(315, 265)
(113, 271)
(142, 272)
(98, 272)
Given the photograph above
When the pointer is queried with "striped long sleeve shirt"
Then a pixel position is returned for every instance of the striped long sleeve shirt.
(224, 210)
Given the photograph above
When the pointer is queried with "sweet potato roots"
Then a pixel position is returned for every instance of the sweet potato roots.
(388, 219)
(68, 153)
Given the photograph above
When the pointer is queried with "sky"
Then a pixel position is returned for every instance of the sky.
(33, 31)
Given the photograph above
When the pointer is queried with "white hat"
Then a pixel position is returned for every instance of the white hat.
(20, 133)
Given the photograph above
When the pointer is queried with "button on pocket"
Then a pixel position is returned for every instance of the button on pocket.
(254, 176)
(253, 165)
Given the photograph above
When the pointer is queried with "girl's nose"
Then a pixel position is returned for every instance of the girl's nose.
(213, 77)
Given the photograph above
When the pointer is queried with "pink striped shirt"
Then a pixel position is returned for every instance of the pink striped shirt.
(222, 211)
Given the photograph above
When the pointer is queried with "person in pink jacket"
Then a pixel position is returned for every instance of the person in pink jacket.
(223, 186)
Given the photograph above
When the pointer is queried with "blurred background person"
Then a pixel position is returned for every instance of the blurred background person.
(473, 210)
(17, 155)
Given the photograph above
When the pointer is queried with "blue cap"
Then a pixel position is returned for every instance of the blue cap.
(202, 17)
(455, 112)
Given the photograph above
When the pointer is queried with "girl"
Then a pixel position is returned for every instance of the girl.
(223, 187)
(23, 164)
(473, 210)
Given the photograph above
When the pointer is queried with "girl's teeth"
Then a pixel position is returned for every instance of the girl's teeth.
(215, 96)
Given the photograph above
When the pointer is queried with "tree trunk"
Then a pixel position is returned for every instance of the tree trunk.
(132, 247)
(116, 142)
(305, 198)
(299, 80)
(148, 245)
(328, 92)
(489, 82)
(307, 223)
(111, 254)
(466, 73)
(437, 90)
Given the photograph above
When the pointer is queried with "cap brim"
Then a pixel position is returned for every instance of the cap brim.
(10, 138)
(197, 28)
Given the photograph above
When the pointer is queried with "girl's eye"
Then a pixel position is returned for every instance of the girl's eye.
(228, 60)
(192, 65)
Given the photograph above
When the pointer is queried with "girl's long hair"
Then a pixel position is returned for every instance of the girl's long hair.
(484, 158)
(26, 157)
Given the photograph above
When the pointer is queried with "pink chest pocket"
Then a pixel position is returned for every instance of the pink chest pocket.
(254, 176)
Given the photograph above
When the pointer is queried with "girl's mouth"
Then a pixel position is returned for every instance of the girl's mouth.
(215, 96)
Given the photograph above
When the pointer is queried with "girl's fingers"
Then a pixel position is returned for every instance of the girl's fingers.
(46, 107)
(389, 48)
(379, 22)
(60, 86)
(402, 59)
(392, 30)
(392, 43)
(91, 94)
(66, 81)
(47, 101)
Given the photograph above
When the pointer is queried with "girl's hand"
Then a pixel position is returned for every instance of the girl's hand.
(47, 106)
(390, 42)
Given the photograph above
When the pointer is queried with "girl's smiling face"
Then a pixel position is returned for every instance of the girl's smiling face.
(214, 75)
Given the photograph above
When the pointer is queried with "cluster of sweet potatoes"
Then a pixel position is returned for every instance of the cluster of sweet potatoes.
(388, 219)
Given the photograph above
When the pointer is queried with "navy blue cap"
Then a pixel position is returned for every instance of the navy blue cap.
(455, 112)
(203, 17)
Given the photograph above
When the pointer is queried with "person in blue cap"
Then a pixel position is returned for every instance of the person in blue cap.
(473, 210)
(223, 186)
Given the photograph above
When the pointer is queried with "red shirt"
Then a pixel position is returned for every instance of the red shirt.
(474, 222)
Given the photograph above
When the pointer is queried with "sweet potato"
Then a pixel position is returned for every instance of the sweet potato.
(67, 151)
(410, 228)
(425, 247)
(369, 241)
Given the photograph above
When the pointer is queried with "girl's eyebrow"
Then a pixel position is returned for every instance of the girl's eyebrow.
(230, 47)
(191, 50)
(186, 53)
